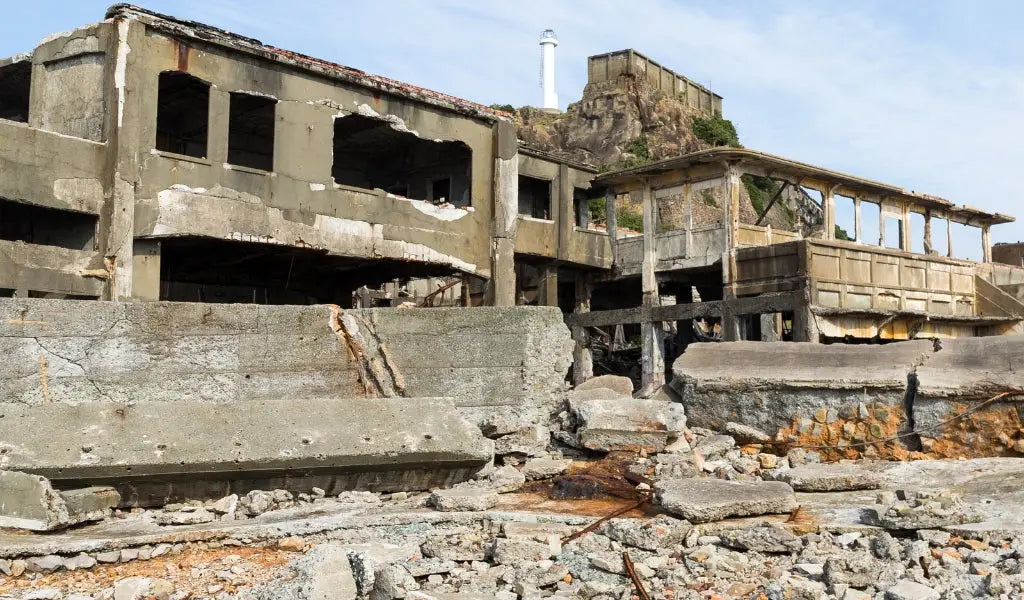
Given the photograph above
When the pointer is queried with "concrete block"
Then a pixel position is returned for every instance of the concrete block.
(627, 424)
(829, 477)
(464, 499)
(703, 500)
(29, 502)
(376, 441)
(622, 385)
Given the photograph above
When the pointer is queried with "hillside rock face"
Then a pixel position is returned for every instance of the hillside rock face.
(626, 122)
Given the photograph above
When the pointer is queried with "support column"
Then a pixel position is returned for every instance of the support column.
(652, 334)
(856, 220)
(770, 327)
(927, 232)
(146, 271)
(828, 202)
(582, 357)
(805, 327)
(547, 292)
(986, 244)
(949, 237)
(611, 225)
(505, 218)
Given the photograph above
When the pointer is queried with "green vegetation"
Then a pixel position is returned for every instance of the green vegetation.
(626, 216)
(505, 107)
(761, 190)
(842, 235)
(715, 131)
(641, 152)
(708, 197)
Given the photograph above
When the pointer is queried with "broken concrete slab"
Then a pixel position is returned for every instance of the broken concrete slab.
(616, 383)
(464, 498)
(323, 573)
(829, 477)
(806, 392)
(704, 500)
(745, 434)
(377, 444)
(627, 424)
(29, 502)
(764, 537)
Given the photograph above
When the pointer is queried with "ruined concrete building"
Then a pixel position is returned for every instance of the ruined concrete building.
(149, 158)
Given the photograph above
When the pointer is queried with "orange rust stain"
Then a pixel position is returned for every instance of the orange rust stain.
(975, 435)
(882, 422)
(182, 51)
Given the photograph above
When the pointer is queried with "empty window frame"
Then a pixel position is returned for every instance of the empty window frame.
(812, 200)
(535, 197)
(893, 232)
(580, 207)
(846, 217)
(15, 80)
(870, 232)
(375, 153)
(967, 242)
(940, 236)
(32, 224)
(916, 233)
(183, 114)
(251, 131)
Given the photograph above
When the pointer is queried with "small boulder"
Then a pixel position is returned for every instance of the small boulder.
(766, 538)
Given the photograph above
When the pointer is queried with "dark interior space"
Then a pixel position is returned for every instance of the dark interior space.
(535, 197)
(200, 270)
(59, 296)
(251, 131)
(46, 226)
(581, 207)
(372, 153)
(183, 114)
(6, 293)
(15, 81)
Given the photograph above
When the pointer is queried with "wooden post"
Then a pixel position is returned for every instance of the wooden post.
(652, 334)
(582, 358)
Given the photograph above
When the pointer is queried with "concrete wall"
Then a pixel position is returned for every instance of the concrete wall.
(839, 395)
(603, 67)
(488, 359)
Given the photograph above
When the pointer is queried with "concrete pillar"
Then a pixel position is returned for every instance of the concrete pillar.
(805, 327)
(927, 232)
(949, 237)
(828, 201)
(652, 334)
(611, 224)
(986, 244)
(547, 290)
(565, 221)
(582, 358)
(146, 271)
(505, 215)
(857, 219)
(220, 113)
(732, 187)
(770, 327)
(730, 325)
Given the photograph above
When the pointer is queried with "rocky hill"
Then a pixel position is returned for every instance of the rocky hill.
(626, 122)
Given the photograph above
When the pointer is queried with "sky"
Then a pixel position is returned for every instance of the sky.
(928, 95)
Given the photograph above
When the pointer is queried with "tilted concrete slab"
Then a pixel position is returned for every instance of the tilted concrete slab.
(703, 500)
(155, 451)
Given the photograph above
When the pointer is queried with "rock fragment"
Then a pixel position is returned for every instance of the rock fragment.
(465, 498)
(910, 590)
(766, 538)
(610, 424)
(30, 502)
(703, 500)
(829, 477)
(616, 383)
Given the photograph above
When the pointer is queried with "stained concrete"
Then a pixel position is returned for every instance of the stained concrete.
(30, 502)
(192, 446)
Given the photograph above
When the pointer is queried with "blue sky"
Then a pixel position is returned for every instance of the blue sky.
(924, 94)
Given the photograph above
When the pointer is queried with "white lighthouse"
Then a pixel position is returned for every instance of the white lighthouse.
(548, 41)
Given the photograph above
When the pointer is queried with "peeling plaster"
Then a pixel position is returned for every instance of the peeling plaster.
(121, 67)
(443, 212)
(317, 187)
(394, 121)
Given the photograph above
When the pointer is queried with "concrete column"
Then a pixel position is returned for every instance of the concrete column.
(652, 334)
(805, 327)
(146, 271)
(217, 140)
(547, 292)
(565, 221)
(611, 224)
(828, 201)
(730, 325)
(582, 358)
(927, 232)
(986, 244)
(905, 243)
(732, 186)
(770, 327)
(949, 237)
(856, 219)
(502, 288)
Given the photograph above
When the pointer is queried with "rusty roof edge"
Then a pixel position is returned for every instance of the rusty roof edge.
(214, 35)
(727, 153)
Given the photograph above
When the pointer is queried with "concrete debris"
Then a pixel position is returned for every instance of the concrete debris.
(745, 434)
(464, 498)
(766, 537)
(615, 383)
(528, 441)
(920, 510)
(627, 424)
(29, 502)
(830, 477)
(703, 500)
(544, 468)
(324, 573)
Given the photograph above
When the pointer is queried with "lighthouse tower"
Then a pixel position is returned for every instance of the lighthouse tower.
(548, 41)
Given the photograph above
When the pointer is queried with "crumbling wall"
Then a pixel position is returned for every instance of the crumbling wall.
(77, 352)
(857, 399)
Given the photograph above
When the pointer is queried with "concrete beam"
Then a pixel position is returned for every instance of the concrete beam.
(29, 502)
(358, 443)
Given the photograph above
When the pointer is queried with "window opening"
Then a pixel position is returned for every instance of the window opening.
(251, 131)
(183, 114)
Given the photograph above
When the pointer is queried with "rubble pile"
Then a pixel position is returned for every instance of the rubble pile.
(668, 512)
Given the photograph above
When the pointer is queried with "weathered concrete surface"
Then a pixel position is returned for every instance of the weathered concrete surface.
(703, 500)
(830, 477)
(29, 502)
(622, 423)
(197, 448)
(488, 359)
(768, 385)
(963, 374)
(622, 385)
